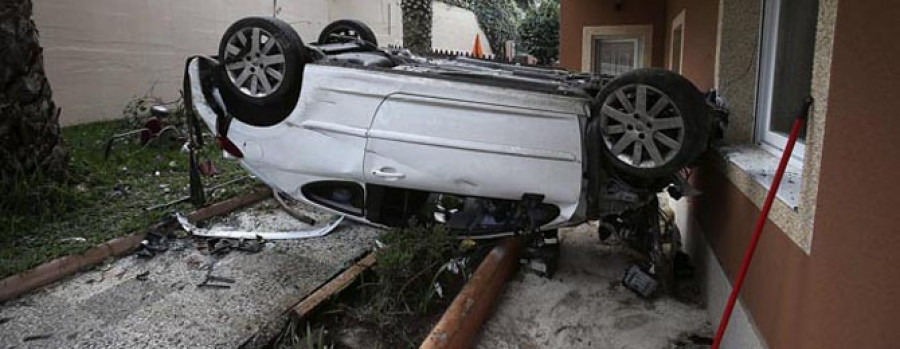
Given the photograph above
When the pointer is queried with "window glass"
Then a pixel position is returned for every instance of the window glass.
(793, 63)
(786, 59)
(614, 56)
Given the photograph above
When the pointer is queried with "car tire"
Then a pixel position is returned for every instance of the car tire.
(671, 127)
(261, 70)
(349, 28)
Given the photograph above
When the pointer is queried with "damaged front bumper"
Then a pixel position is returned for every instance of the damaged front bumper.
(234, 234)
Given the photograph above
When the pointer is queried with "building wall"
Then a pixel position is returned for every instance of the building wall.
(737, 65)
(699, 48)
(100, 53)
(842, 294)
(581, 13)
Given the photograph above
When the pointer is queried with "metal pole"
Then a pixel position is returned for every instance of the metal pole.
(460, 324)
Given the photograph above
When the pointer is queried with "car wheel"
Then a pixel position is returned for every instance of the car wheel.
(261, 71)
(652, 122)
(338, 30)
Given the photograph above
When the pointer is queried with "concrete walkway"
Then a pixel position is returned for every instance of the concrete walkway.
(139, 303)
(586, 306)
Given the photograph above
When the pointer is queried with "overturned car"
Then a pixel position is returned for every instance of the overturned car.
(385, 136)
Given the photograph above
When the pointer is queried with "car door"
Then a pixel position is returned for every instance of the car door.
(470, 146)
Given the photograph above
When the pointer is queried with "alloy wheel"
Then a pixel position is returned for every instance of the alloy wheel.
(255, 62)
(641, 126)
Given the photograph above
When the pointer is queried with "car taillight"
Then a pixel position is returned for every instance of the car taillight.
(229, 147)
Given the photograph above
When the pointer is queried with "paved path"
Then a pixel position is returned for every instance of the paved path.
(111, 307)
(586, 306)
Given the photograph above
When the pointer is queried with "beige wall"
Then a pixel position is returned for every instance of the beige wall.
(454, 28)
(100, 53)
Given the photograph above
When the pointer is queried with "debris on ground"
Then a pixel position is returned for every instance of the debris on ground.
(152, 122)
(104, 199)
(213, 281)
(157, 239)
(224, 246)
(208, 192)
(300, 216)
(37, 337)
(114, 306)
(249, 229)
(639, 281)
(208, 168)
(142, 276)
(541, 255)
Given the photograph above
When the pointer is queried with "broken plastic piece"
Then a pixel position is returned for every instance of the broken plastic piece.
(289, 235)
(640, 282)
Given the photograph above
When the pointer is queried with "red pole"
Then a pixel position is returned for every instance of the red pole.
(761, 221)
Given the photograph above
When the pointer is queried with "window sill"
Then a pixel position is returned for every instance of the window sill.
(760, 165)
(751, 169)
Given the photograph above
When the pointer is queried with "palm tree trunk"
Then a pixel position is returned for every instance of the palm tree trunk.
(29, 128)
(417, 16)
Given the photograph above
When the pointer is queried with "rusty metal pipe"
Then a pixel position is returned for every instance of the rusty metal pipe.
(460, 324)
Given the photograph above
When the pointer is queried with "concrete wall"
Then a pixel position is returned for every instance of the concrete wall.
(384, 16)
(454, 28)
(100, 53)
(842, 294)
(578, 14)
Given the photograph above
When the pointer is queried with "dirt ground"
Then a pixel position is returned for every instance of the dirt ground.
(585, 305)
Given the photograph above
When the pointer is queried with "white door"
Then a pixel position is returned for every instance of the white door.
(478, 149)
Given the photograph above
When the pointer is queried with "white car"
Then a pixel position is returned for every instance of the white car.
(384, 136)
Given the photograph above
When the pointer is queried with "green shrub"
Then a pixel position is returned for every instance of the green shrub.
(417, 17)
(539, 32)
(417, 273)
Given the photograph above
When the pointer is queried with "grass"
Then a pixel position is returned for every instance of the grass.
(396, 303)
(41, 220)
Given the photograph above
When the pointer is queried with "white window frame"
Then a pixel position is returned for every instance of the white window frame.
(768, 140)
(642, 33)
(678, 21)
